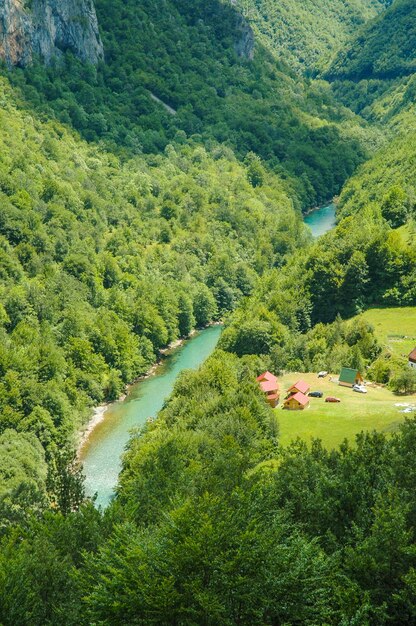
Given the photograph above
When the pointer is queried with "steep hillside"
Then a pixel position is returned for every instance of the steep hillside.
(184, 69)
(103, 263)
(383, 49)
(373, 73)
(387, 182)
(376, 74)
(305, 34)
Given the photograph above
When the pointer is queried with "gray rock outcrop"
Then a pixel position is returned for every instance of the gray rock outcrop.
(245, 44)
(46, 29)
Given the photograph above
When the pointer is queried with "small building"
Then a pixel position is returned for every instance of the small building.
(273, 399)
(350, 377)
(412, 358)
(266, 376)
(296, 402)
(270, 386)
(300, 387)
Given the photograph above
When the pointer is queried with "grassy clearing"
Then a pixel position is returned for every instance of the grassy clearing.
(408, 232)
(333, 423)
(394, 327)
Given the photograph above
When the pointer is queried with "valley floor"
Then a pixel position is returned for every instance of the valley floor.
(332, 423)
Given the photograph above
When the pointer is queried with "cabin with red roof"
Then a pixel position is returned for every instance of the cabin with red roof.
(300, 387)
(273, 399)
(296, 402)
(412, 358)
(267, 376)
(269, 386)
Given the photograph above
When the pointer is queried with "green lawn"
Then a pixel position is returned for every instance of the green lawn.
(333, 423)
(394, 328)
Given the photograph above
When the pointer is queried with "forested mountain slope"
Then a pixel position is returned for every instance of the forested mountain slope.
(102, 263)
(384, 48)
(187, 55)
(159, 220)
(374, 73)
(386, 181)
(306, 34)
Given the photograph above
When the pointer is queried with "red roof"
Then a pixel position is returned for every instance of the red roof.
(269, 385)
(267, 376)
(299, 397)
(273, 396)
(412, 356)
(301, 386)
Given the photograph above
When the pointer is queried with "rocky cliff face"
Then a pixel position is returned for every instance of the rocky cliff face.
(245, 44)
(14, 33)
(47, 28)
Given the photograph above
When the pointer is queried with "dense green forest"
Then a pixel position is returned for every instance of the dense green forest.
(186, 54)
(374, 74)
(306, 34)
(103, 263)
(124, 225)
(383, 49)
(215, 524)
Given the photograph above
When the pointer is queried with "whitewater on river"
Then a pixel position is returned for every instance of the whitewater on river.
(102, 450)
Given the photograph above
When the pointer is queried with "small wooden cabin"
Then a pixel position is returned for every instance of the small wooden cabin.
(270, 386)
(266, 376)
(273, 399)
(350, 377)
(300, 387)
(296, 402)
(412, 358)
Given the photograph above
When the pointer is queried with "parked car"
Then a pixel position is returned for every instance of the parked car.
(359, 388)
(322, 374)
(315, 394)
(332, 399)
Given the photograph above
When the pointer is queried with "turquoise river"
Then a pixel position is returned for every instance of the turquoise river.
(101, 453)
(321, 220)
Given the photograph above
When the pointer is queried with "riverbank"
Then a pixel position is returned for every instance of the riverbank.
(102, 451)
(333, 202)
(97, 418)
(100, 411)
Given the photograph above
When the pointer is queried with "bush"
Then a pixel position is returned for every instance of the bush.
(404, 381)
